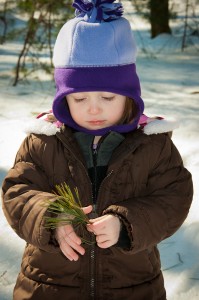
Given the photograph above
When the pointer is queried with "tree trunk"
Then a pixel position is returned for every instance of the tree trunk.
(185, 25)
(3, 19)
(159, 17)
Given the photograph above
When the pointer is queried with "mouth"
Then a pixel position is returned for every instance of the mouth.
(96, 122)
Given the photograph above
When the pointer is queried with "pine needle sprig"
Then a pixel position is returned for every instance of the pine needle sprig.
(65, 210)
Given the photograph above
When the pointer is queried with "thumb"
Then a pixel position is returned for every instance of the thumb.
(87, 209)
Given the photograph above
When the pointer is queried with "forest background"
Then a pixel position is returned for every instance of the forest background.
(36, 24)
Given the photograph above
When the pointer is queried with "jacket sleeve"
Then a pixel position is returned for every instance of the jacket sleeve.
(24, 190)
(164, 204)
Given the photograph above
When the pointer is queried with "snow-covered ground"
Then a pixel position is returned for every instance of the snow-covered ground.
(170, 87)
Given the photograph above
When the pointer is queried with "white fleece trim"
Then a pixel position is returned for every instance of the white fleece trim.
(161, 126)
(40, 126)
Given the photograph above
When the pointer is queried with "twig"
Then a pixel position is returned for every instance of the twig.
(1, 276)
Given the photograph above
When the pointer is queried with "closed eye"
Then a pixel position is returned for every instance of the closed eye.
(108, 98)
(79, 99)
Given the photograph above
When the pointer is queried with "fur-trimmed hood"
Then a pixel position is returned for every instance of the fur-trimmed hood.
(46, 123)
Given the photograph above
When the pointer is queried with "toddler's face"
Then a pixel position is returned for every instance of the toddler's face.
(96, 110)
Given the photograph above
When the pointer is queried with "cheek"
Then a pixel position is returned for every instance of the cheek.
(114, 117)
(73, 110)
(118, 112)
(75, 115)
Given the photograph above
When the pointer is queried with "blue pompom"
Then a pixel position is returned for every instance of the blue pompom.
(98, 10)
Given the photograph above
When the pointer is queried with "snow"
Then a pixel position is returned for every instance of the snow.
(169, 80)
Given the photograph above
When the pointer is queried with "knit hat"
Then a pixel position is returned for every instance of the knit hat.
(96, 51)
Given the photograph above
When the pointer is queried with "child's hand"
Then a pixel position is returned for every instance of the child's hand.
(106, 229)
(68, 240)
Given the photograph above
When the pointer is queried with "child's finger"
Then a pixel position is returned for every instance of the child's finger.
(105, 244)
(68, 251)
(99, 224)
(69, 241)
(89, 228)
(68, 245)
(69, 231)
(97, 219)
(96, 230)
(73, 246)
(66, 248)
(87, 209)
(101, 238)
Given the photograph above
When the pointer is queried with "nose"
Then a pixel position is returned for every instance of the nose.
(94, 107)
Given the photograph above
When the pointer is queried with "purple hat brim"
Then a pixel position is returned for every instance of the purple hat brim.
(122, 80)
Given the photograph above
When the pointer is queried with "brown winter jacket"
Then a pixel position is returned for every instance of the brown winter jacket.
(146, 185)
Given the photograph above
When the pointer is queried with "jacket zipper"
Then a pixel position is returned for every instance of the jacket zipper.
(92, 271)
(92, 251)
(95, 206)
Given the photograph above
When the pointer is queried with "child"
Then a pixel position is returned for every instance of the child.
(132, 185)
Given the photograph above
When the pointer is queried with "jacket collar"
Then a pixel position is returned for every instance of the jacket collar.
(132, 141)
(105, 147)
